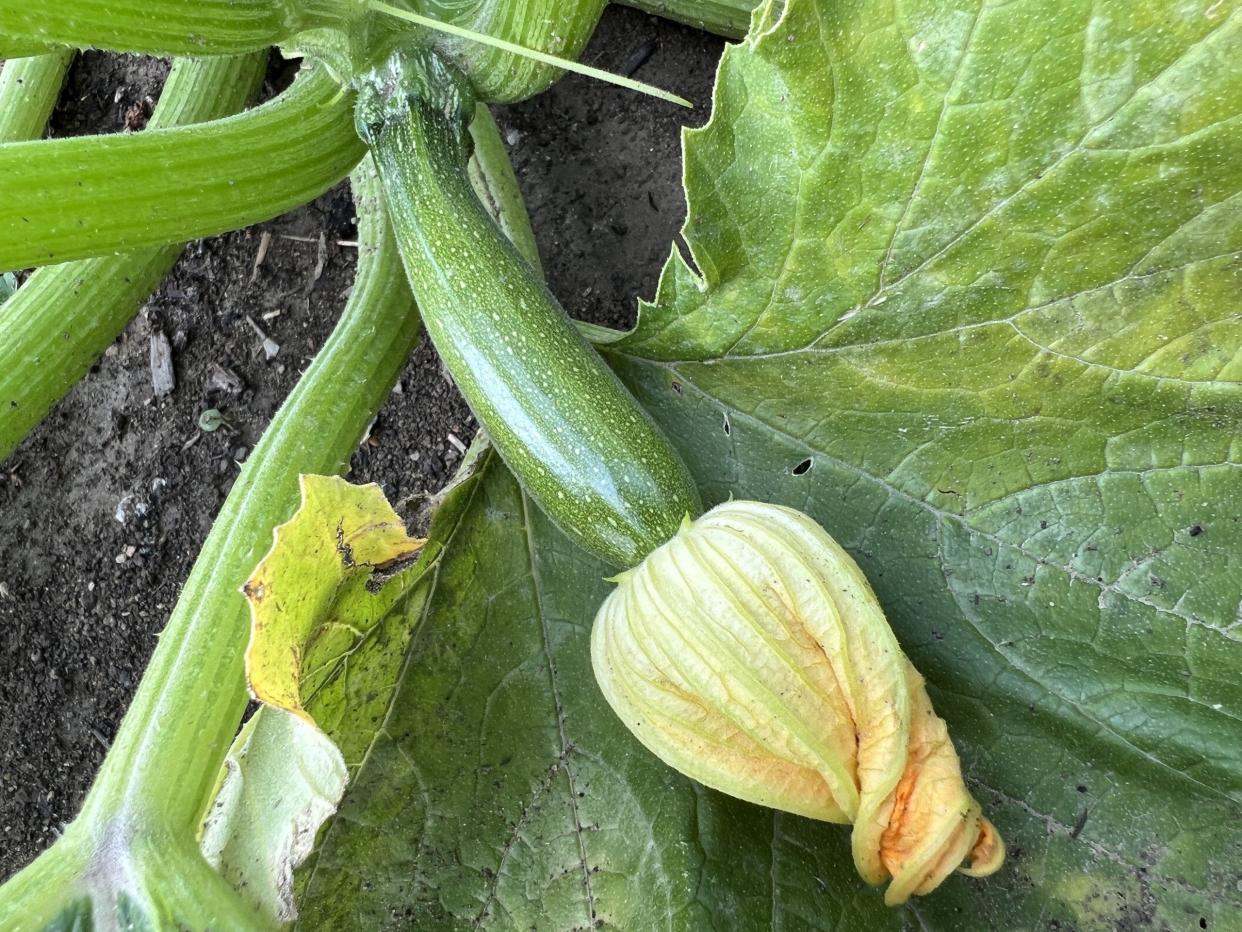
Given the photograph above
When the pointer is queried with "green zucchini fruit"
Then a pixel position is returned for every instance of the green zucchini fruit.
(573, 435)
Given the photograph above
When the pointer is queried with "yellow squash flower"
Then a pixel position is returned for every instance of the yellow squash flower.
(750, 653)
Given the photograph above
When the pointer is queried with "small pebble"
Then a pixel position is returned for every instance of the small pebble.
(163, 380)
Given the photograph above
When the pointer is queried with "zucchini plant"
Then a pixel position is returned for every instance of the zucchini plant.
(960, 289)
(133, 854)
(599, 467)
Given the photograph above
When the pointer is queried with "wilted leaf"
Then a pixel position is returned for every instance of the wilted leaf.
(969, 297)
(321, 624)
(314, 601)
(281, 779)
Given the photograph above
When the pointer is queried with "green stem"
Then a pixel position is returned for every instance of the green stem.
(193, 693)
(28, 91)
(729, 18)
(529, 52)
(165, 27)
(491, 176)
(11, 48)
(63, 199)
(58, 323)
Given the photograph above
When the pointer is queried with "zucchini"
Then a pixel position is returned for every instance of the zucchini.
(576, 439)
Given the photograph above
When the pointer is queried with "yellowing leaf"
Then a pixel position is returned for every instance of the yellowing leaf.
(315, 607)
(311, 597)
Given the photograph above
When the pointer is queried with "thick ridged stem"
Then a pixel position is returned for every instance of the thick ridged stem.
(63, 199)
(193, 693)
(728, 18)
(137, 833)
(58, 323)
(11, 48)
(28, 91)
(558, 27)
(165, 27)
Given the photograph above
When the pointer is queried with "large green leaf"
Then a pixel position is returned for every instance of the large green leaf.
(969, 296)
(499, 790)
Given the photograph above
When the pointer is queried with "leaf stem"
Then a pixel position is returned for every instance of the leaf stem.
(28, 91)
(165, 27)
(63, 199)
(729, 18)
(192, 695)
(491, 176)
(64, 316)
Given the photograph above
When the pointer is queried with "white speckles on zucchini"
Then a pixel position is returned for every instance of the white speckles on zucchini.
(570, 431)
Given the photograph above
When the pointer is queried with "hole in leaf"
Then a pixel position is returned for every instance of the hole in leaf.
(803, 468)
(687, 256)
(728, 429)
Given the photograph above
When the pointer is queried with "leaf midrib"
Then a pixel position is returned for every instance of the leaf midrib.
(945, 517)
(559, 708)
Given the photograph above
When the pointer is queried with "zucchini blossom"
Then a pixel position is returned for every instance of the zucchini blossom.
(750, 653)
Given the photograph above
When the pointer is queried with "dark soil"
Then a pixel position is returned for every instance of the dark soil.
(104, 507)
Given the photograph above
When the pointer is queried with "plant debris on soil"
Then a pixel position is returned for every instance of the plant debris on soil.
(104, 507)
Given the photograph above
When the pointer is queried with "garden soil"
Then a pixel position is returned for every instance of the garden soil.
(104, 507)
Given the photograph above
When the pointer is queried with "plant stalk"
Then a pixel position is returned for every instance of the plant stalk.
(193, 693)
(11, 48)
(165, 27)
(64, 316)
(63, 199)
(491, 175)
(29, 88)
(729, 18)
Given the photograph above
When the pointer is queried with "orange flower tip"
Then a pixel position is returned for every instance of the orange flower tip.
(988, 854)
